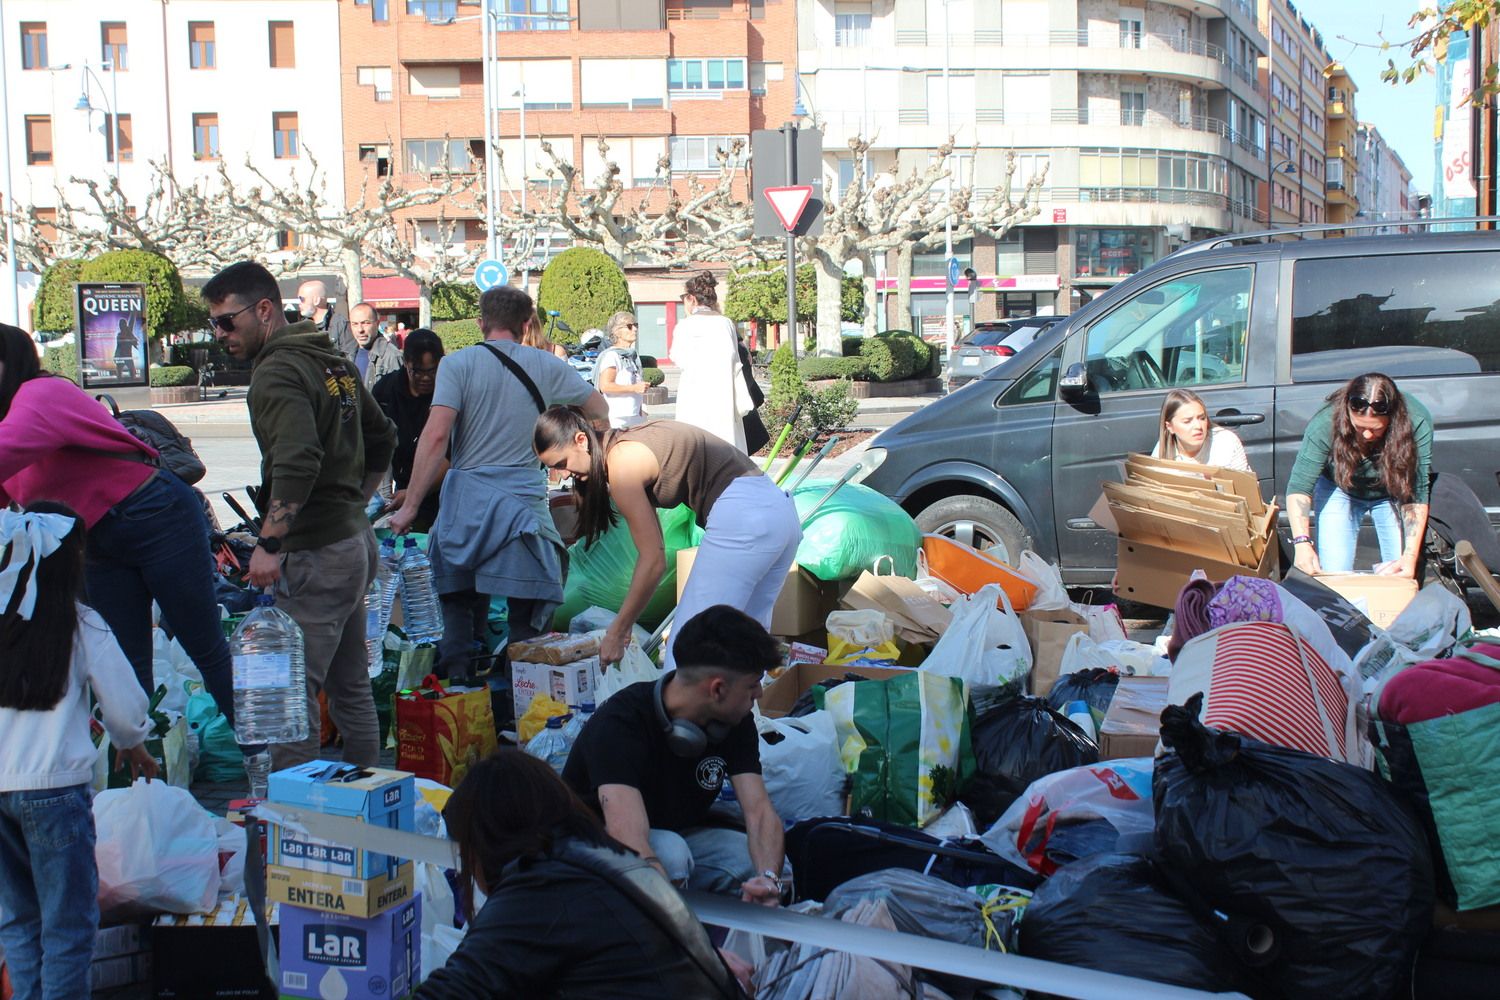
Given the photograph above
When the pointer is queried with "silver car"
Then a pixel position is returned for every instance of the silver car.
(991, 344)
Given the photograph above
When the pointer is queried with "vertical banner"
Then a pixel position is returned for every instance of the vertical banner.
(111, 335)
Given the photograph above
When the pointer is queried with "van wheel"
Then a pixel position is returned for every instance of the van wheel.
(977, 522)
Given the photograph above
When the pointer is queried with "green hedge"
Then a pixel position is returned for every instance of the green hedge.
(922, 352)
(458, 334)
(62, 360)
(857, 369)
(53, 311)
(170, 375)
(452, 301)
(585, 286)
(891, 359)
(653, 376)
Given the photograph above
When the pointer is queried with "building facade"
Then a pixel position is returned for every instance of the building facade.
(681, 78)
(195, 84)
(1145, 117)
(1292, 71)
(1342, 147)
(1382, 184)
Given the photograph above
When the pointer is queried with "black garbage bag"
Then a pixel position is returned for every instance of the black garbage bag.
(1323, 853)
(919, 904)
(1351, 628)
(1016, 743)
(1094, 685)
(1114, 913)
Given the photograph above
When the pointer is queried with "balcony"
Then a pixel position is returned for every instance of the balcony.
(1339, 105)
(685, 10)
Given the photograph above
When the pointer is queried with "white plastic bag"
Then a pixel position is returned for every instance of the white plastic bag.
(173, 669)
(634, 667)
(1133, 659)
(596, 619)
(1051, 595)
(231, 857)
(437, 913)
(1105, 624)
(866, 627)
(803, 772)
(984, 646)
(157, 851)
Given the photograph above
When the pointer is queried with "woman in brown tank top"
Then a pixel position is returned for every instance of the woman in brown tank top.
(751, 526)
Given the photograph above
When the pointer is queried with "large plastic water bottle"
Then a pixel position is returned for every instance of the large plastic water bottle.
(579, 720)
(380, 601)
(270, 677)
(551, 744)
(422, 615)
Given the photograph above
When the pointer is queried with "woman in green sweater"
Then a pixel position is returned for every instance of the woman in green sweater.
(1368, 451)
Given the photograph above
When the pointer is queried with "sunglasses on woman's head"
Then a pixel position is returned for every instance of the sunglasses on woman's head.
(1379, 407)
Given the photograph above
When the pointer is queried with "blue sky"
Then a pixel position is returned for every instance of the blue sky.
(1403, 114)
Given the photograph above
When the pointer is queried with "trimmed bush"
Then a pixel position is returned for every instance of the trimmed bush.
(167, 307)
(649, 361)
(857, 369)
(851, 346)
(831, 408)
(458, 334)
(653, 376)
(586, 287)
(170, 375)
(890, 359)
(53, 310)
(62, 360)
(452, 301)
(922, 352)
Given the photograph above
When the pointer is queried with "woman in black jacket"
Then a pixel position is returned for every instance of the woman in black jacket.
(568, 912)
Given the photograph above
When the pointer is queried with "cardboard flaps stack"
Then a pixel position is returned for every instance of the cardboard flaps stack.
(1173, 518)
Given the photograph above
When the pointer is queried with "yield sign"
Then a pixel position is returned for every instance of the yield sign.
(788, 203)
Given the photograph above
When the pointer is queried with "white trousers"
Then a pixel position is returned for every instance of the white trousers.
(750, 543)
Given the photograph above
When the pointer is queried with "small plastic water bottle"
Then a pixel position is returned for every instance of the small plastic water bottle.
(423, 616)
(270, 677)
(575, 725)
(380, 601)
(1078, 713)
(551, 744)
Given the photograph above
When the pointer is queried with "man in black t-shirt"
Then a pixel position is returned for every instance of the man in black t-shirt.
(654, 757)
(406, 397)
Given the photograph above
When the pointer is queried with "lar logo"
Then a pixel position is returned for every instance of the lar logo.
(327, 944)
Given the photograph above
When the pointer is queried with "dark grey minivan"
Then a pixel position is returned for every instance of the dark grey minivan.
(1263, 331)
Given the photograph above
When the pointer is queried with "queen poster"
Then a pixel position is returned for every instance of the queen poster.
(112, 335)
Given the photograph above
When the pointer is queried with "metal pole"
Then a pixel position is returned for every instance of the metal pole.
(492, 183)
(13, 280)
(114, 116)
(948, 196)
(521, 93)
(790, 131)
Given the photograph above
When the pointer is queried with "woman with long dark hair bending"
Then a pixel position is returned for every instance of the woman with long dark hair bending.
(752, 527)
(1369, 450)
(567, 910)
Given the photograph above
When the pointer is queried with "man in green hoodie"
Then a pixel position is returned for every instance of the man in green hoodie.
(325, 446)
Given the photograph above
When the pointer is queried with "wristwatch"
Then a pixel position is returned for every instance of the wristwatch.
(271, 545)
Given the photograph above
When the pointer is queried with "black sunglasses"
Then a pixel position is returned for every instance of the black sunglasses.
(1379, 407)
(225, 321)
(422, 372)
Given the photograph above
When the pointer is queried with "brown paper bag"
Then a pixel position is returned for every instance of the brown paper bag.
(917, 615)
(1049, 632)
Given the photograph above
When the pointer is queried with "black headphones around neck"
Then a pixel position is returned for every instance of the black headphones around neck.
(685, 738)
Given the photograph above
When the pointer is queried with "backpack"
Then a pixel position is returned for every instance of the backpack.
(177, 454)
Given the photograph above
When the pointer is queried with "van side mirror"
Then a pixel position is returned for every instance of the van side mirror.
(1074, 384)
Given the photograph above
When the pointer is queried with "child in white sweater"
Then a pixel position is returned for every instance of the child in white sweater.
(53, 650)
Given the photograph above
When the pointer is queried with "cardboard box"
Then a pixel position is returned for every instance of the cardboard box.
(778, 699)
(119, 971)
(210, 956)
(556, 648)
(1151, 574)
(571, 684)
(1132, 726)
(372, 795)
(1049, 632)
(1380, 598)
(917, 615)
(801, 607)
(328, 955)
(336, 894)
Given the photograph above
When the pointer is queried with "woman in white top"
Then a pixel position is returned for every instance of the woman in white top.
(711, 394)
(618, 372)
(1186, 435)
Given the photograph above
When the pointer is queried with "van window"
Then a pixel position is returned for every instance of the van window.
(1402, 314)
(1187, 331)
(1038, 385)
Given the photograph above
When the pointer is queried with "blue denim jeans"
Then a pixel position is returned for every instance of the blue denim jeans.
(1339, 517)
(154, 544)
(49, 884)
(709, 858)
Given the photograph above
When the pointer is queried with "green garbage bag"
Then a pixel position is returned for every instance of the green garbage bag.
(907, 743)
(600, 574)
(219, 757)
(856, 527)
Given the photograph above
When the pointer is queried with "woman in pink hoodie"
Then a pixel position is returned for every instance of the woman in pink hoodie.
(147, 537)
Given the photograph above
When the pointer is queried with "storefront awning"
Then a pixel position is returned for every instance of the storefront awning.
(392, 292)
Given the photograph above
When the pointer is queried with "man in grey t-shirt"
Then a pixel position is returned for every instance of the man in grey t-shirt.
(494, 533)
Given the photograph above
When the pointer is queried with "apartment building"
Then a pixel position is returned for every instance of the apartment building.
(680, 78)
(1382, 182)
(1341, 147)
(100, 90)
(1292, 71)
(1146, 117)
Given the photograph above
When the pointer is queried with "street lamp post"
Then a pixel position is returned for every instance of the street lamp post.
(1286, 166)
(112, 106)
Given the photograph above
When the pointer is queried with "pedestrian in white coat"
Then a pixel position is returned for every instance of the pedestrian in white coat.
(711, 393)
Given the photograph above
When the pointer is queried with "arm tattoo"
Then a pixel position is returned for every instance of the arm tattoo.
(1298, 506)
(282, 514)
